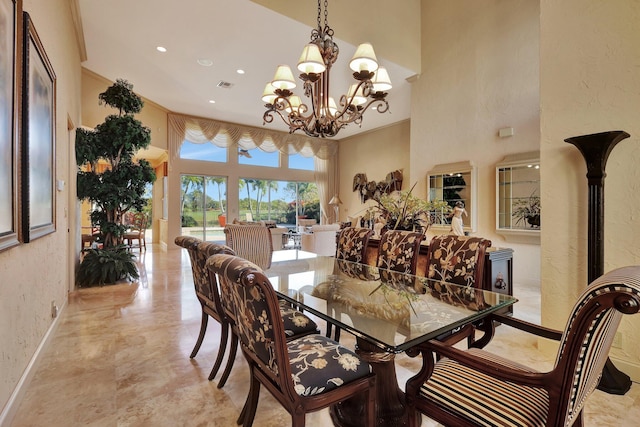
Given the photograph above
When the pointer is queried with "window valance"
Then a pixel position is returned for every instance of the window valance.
(200, 131)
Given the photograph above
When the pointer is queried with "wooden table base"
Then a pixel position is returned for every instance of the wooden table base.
(390, 404)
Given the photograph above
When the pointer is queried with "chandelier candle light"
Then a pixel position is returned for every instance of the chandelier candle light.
(325, 118)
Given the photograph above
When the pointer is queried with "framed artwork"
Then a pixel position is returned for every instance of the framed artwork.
(38, 138)
(10, 86)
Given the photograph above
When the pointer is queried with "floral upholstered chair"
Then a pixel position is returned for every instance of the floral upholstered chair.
(351, 246)
(458, 260)
(352, 243)
(398, 250)
(206, 288)
(296, 324)
(304, 374)
(479, 388)
(208, 294)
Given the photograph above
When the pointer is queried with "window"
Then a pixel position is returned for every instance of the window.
(297, 161)
(518, 196)
(202, 206)
(257, 157)
(207, 152)
(281, 201)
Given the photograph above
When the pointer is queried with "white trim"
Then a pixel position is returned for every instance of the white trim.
(10, 409)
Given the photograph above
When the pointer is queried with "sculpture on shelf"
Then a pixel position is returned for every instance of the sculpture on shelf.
(374, 190)
(457, 225)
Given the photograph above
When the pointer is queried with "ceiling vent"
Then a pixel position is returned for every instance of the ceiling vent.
(223, 84)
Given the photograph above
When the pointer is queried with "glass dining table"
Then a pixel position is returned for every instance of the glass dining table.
(388, 312)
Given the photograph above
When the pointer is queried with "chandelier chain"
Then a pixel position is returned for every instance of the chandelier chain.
(326, 12)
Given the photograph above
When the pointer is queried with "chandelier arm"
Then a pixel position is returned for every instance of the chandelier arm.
(324, 118)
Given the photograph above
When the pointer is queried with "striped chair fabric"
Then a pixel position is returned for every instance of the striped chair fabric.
(478, 388)
(251, 242)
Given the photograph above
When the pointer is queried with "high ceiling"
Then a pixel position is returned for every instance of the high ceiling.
(121, 38)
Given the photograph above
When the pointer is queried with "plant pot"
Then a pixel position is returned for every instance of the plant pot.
(222, 219)
(534, 220)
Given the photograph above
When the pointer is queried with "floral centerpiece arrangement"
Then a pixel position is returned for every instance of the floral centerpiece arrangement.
(401, 210)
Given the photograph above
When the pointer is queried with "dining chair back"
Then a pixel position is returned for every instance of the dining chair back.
(352, 243)
(136, 231)
(398, 250)
(207, 292)
(296, 323)
(479, 388)
(459, 260)
(304, 374)
(251, 242)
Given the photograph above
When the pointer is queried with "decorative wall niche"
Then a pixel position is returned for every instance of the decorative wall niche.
(518, 197)
(455, 182)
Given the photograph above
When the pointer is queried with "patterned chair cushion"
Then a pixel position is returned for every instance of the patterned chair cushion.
(398, 250)
(319, 364)
(483, 399)
(295, 322)
(352, 243)
(455, 259)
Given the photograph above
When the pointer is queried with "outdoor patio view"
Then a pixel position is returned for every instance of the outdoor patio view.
(204, 203)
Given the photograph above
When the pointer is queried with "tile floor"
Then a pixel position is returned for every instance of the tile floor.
(120, 357)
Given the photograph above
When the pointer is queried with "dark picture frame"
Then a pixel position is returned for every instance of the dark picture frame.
(38, 137)
(10, 86)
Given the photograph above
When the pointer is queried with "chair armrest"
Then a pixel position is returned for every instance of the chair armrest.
(528, 327)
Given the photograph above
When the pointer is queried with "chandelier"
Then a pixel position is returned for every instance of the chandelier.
(323, 117)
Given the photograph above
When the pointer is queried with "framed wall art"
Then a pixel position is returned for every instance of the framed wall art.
(10, 86)
(38, 137)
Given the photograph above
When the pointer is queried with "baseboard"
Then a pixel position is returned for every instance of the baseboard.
(10, 409)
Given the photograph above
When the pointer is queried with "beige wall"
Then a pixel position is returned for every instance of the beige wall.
(479, 74)
(35, 274)
(374, 154)
(153, 116)
(589, 81)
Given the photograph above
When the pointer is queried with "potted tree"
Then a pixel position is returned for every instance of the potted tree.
(113, 183)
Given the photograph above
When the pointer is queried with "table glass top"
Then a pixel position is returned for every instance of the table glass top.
(392, 310)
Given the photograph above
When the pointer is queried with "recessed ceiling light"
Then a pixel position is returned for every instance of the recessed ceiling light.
(161, 49)
(239, 71)
(211, 101)
(205, 62)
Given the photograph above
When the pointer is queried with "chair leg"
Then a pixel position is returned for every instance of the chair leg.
(231, 358)
(203, 330)
(248, 412)
(224, 337)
